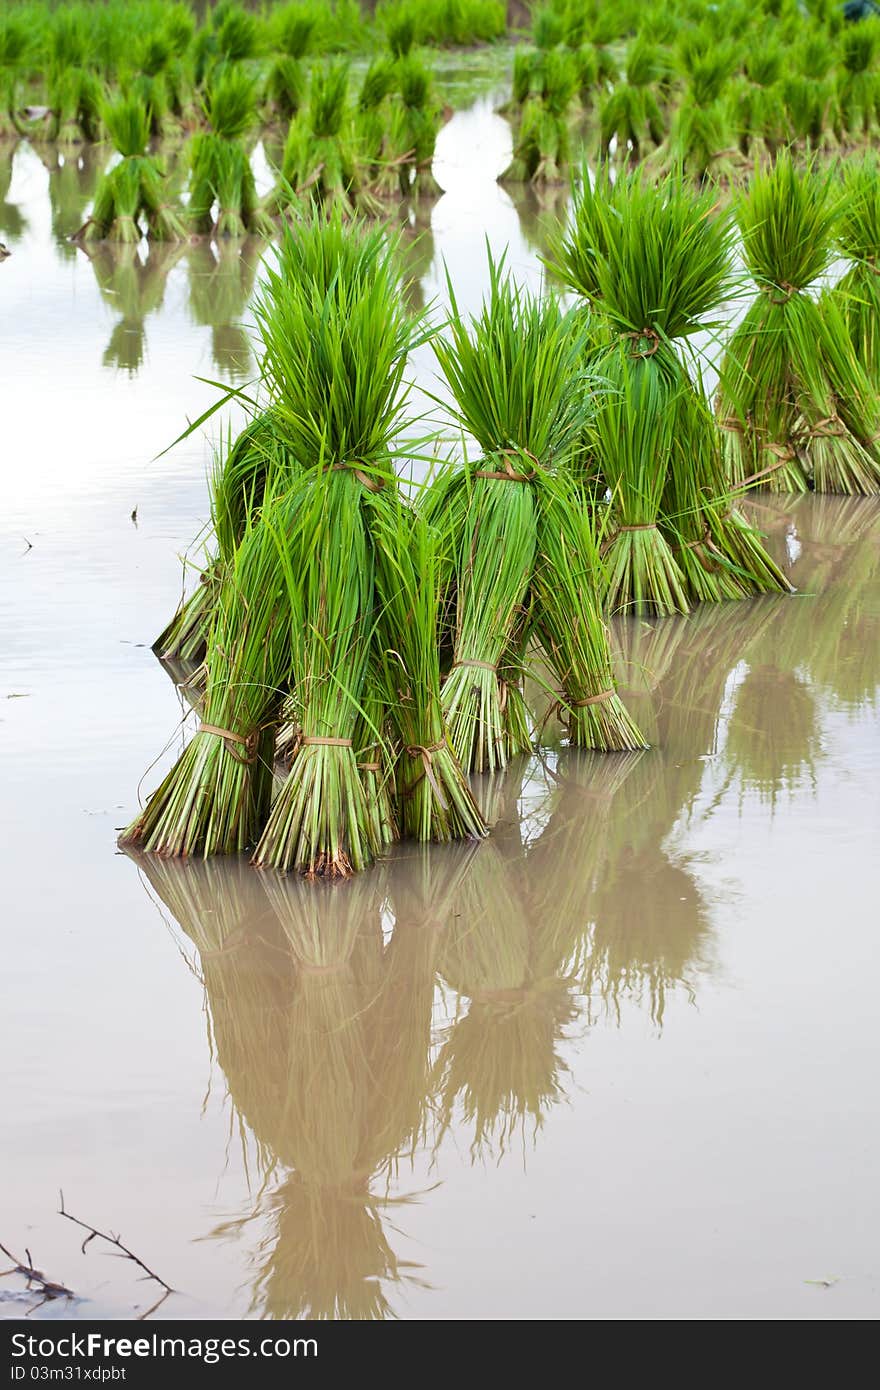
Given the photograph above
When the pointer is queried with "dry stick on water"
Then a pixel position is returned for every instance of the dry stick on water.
(48, 1287)
(122, 1252)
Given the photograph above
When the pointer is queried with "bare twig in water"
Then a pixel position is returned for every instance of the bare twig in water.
(47, 1287)
(122, 1251)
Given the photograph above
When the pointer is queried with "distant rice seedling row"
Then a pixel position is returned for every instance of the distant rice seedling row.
(714, 89)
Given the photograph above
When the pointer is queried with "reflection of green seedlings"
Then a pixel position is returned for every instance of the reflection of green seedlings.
(134, 289)
(73, 180)
(221, 282)
(500, 1060)
(774, 733)
(13, 222)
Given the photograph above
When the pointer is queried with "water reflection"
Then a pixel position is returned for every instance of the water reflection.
(13, 222)
(73, 177)
(132, 284)
(221, 279)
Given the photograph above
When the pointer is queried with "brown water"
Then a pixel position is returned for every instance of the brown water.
(617, 1062)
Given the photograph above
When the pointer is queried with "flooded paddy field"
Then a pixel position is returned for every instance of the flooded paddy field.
(618, 1061)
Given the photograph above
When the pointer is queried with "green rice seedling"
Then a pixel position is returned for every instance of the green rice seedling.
(701, 140)
(630, 114)
(216, 797)
(232, 36)
(243, 467)
(320, 163)
(516, 377)
(335, 334)
(75, 97)
(400, 30)
(378, 128)
(655, 262)
(15, 50)
(788, 377)
(542, 145)
(220, 170)
(568, 624)
(857, 293)
(134, 192)
(548, 27)
(292, 34)
(808, 107)
(757, 101)
(435, 800)
(858, 84)
(419, 127)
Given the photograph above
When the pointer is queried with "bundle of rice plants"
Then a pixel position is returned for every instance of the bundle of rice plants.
(75, 96)
(515, 375)
(630, 116)
(243, 468)
(857, 293)
(807, 108)
(231, 36)
(420, 125)
(216, 797)
(757, 100)
(292, 34)
(335, 334)
(655, 262)
(701, 139)
(378, 122)
(542, 144)
(789, 380)
(568, 623)
(435, 800)
(15, 48)
(858, 83)
(135, 189)
(320, 163)
(220, 170)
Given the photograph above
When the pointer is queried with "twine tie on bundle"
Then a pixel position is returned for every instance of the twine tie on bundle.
(371, 484)
(642, 526)
(308, 741)
(230, 739)
(509, 473)
(652, 336)
(479, 665)
(787, 292)
(593, 699)
(426, 753)
(830, 427)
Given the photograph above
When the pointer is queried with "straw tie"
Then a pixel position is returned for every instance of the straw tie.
(642, 526)
(782, 452)
(652, 336)
(426, 753)
(787, 292)
(479, 665)
(371, 484)
(309, 741)
(509, 473)
(830, 427)
(593, 699)
(230, 739)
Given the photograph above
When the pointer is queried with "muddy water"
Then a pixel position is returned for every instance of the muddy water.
(619, 1061)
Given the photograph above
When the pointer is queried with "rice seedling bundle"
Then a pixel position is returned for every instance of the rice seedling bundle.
(320, 162)
(220, 170)
(857, 293)
(293, 31)
(794, 402)
(134, 192)
(15, 48)
(630, 116)
(75, 96)
(568, 623)
(334, 351)
(420, 124)
(655, 262)
(435, 800)
(515, 375)
(758, 104)
(858, 84)
(542, 143)
(701, 139)
(216, 797)
(378, 119)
